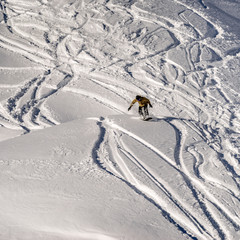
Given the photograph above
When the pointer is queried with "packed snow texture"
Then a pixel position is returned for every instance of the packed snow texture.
(75, 164)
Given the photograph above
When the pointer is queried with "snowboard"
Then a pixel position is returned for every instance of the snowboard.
(147, 119)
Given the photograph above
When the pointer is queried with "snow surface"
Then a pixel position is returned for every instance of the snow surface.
(75, 164)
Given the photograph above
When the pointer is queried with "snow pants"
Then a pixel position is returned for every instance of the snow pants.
(143, 111)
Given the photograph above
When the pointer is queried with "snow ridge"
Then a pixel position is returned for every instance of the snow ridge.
(87, 59)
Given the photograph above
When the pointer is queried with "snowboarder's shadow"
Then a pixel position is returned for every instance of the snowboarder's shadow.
(170, 119)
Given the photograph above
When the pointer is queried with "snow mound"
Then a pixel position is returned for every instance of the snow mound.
(75, 164)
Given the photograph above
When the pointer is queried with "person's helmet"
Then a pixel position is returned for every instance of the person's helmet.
(138, 97)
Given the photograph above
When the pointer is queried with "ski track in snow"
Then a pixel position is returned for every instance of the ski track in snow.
(104, 46)
(173, 208)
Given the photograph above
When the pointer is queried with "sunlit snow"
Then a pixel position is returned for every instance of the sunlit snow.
(75, 163)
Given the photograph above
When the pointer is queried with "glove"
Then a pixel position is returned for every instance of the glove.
(129, 108)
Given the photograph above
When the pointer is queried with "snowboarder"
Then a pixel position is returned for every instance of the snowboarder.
(143, 106)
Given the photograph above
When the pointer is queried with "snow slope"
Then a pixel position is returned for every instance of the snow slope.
(75, 164)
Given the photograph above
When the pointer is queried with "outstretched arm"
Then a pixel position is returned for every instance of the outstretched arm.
(148, 101)
(134, 101)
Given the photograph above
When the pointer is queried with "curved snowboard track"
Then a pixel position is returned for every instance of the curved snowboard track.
(101, 54)
(113, 155)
